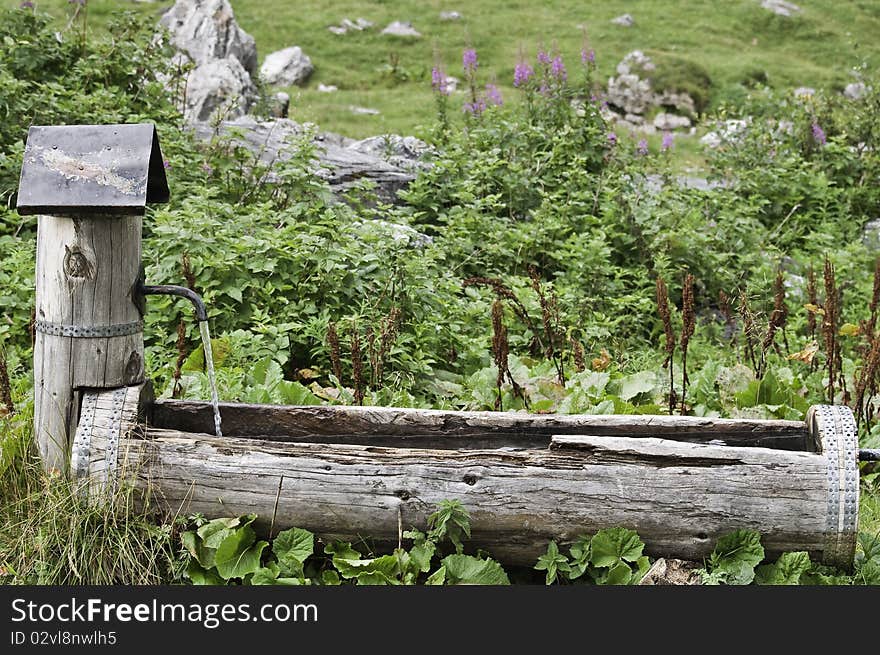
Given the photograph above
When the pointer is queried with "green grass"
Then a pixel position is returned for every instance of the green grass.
(732, 40)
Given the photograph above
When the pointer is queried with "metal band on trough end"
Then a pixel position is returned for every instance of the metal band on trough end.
(833, 429)
(88, 331)
(82, 441)
(114, 430)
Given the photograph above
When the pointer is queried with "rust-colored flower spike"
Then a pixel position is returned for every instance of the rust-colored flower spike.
(333, 347)
(812, 299)
(502, 291)
(867, 381)
(749, 328)
(6, 404)
(181, 358)
(666, 317)
(778, 317)
(875, 301)
(500, 347)
(188, 275)
(578, 352)
(829, 326)
(357, 365)
(688, 320)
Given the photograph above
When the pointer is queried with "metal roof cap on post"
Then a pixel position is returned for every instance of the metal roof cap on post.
(91, 169)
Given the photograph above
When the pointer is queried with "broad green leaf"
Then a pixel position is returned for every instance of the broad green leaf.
(294, 393)
(736, 555)
(376, 578)
(292, 547)
(422, 554)
(619, 574)
(341, 550)
(353, 568)
(438, 577)
(238, 555)
(553, 562)
(266, 575)
(330, 578)
(787, 570)
(612, 545)
(465, 569)
(639, 383)
(201, 576)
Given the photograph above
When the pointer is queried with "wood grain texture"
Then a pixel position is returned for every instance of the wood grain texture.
(680, 497)
(86, 268)
(392, 426)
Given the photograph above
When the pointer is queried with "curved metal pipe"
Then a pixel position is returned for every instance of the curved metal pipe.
(183, 292)
(869, 455)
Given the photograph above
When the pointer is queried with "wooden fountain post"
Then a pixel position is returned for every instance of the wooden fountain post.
(89, 186)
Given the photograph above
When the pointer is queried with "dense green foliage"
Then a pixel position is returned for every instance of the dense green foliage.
(519, 272)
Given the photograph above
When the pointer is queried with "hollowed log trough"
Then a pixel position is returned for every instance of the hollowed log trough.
(367, 472)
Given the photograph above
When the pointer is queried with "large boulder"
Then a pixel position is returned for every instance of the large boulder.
(342, 165)
(404, 152)
(632, 93)
(206, 31)
(221, 85)
(286, 67)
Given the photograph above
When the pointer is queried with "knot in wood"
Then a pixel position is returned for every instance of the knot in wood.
(77, 264)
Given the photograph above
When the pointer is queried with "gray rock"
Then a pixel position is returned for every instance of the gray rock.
(206, 31)
(725, 131)
(450, 15)
(666, 122)
(221, 85)
(396, 232)
(404, 152)
(625, 20)
(364, 111)
(855, 90)
(347, 25)
(343, 167)
(871, 235)
(279, 105)
(632, 93)
(804, 92)
(327, 88)
(286, 67)
(781, 7)
(401, 28)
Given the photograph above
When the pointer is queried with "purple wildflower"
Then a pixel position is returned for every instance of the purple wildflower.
(668, 140)
(438, 81)
(476, 107)
(819, 134)
(558, 68)
(642, 147)
(612, 139)
(81, 3)
(207, 168)
(26, 4)
(493, 95)
(522, 74)
(469, 60)
(588, 56)
(543, 57)
(166, 164)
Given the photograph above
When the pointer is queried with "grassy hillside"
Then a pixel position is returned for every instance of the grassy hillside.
(735, 41)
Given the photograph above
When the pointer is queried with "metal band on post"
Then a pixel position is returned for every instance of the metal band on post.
(88, 331)
(833, 429)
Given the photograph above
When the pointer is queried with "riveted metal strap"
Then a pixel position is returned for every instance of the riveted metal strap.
(835, 433)
(82, 440)
(88, 331)
(114, 430)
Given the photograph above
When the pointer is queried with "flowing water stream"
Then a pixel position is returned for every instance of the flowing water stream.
(212, 376)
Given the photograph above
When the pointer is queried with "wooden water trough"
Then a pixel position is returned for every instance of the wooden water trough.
(367, 472)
